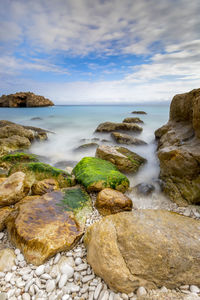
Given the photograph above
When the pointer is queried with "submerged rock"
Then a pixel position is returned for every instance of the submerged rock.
(124, 159)
(149, 248)
(109, 127)
(179, 148)
(132, 120)
(144, 188)
(110, 201)
(24, 99)
(123, 138)
(96, 174)
(139, 112)
(54, 222)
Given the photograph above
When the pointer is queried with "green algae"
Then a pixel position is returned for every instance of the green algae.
(11, 159)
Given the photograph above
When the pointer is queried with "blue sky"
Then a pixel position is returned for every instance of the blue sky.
(100, 51)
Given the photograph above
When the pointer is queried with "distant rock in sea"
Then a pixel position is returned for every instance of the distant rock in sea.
(24, 99)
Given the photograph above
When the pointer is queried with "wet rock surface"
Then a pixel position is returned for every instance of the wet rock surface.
(24, 99)
(123, 138)
(132, 120)
(109, 127)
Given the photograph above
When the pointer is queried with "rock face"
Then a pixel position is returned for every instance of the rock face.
(109, 127)
(43, 226)
(124, 159)
(96, 174)
(110, 202)
(146, 248)
(14, 188)
(24, 100)
(123, 138)
(179, 148)
(132, 120)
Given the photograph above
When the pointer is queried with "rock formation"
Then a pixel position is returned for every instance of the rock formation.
(110, 126)
(23, 99)
(123, 138)
(179, 149)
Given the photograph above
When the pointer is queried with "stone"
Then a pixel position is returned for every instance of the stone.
(179, 148)
(66, 269)
(139, 112)
(96, 174)
(146, 248)
(141, 291)
(7, 259)
(24, 99)
(49, 224)
(26, 296)
(62, 281)
(40, 171)
(40, 270)
(4, 213)
(8, 160)
(124, 159)
(86, 146)
(109, 127)
(144, 189)
(123, 138)
(50, 286)
(133, 120)
(194, 289)
(110, 201)
(14, 188)
(3, 296)
(44, 186)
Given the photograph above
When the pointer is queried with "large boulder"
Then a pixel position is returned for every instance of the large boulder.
(150, 248)
(110, 201)
(54, 222)
(96, 174)
(24, 99)
(40, 171)
(123, 138)
(179, 148)
(110, 126)
(14, 188)
(124, 159)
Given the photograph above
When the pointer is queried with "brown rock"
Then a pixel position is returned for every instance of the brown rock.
(109, 127)
(110, 201)
(132, 120)
(124, 159)
(139, 112)
(44, 186)
(14, 188)
(4, 213)
(7, 259)
(150, 248)
(123, 138)
(24, 99)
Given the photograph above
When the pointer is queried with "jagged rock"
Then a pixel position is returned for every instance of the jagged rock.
(123, 138)
(24, 99)
(14, 188)
(139, 112)
(44, 186)
(179, 148)
(54, 222)
(4, 213)
(132, 120)
(110, 126)
(96, 174)
(149, 248)
(7, 259)
(124, 159)
(110, 201)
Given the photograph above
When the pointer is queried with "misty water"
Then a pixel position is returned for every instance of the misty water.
(71, 124)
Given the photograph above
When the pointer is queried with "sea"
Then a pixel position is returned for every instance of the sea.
(71, 126)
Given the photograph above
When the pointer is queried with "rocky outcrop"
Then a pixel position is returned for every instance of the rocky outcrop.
(54, 222)
(95, 174)
(124, 159)
(24, 99)
(110, 202)
(132, 120)
(149, 248)
(123, 138)
(109, 127)
(179, 148)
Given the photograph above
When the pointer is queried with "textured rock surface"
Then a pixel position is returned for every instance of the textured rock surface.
(110, 201)
(4, 213)
(179, 148)
(123, 138)
(24, 99)
(132, 120)
(96, 174)
(6, 161)
(14, 188)
(43, 226)
(109, 127)
(7, 259)
(124, 159)
(146, 248)
(44, 186)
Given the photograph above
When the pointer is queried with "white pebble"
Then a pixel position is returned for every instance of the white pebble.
(194, 289)
(57, 258)
(8, 276)
(65, 297)
(124, 296)
(141, 291)
(87, 278)
(10, 293)
(81, 267)
(164, 289)
(46, 276)
(62, 281)
(20, 257)
(26, 296)
(50, 286)
(67, 269)
(97, 291)
(40, 270)
(2, 274)
(1, 235)
(17, 251)
(78, 261)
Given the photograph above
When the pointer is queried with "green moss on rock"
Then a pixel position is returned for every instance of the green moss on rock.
(96, 174)
(10, 159)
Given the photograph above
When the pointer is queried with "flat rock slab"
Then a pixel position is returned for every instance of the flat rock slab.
(43, 226)
(123, 138)
(96, 174)
(110, 126)
(149, 248)
(124, 159)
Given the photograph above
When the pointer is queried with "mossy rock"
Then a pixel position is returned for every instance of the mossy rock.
(96, 174)
(42, 171)
(9, 160)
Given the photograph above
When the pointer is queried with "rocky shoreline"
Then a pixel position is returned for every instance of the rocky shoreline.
(77, 236)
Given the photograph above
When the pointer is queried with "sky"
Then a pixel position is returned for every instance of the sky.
(100, 51)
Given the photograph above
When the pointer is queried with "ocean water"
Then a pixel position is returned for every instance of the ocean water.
(71, 124)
